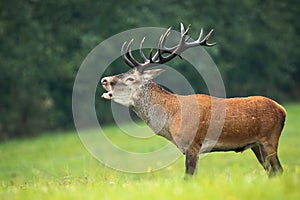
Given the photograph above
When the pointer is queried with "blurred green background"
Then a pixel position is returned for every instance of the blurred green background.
(42, 44)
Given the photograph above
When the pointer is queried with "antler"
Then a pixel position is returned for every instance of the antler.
(158, 57)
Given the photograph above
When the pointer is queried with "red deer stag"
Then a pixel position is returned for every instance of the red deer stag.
(252, 122)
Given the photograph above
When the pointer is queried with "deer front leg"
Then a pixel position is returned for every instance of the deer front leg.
(191, 160)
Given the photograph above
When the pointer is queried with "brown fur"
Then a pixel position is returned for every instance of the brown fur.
(252, 122)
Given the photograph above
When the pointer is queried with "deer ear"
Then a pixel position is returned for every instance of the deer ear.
(151, 74)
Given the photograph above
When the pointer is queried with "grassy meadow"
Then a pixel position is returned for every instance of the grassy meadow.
(57, 166)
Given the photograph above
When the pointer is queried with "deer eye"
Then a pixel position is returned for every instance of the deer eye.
(129, 79)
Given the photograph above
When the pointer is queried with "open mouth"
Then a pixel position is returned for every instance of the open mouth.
(107, 95)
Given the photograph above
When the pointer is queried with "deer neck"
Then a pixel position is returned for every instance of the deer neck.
(151, 104)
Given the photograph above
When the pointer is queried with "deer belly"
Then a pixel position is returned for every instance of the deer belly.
(237, 135)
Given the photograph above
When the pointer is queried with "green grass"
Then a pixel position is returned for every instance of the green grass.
(57, 166)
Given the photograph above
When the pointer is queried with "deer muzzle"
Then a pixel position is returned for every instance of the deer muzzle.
(107, 86)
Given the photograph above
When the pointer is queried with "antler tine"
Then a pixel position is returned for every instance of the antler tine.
(181, 46)
(141, 51)
(122, 48)
(200, 41)
(200, 36)
(129, 54)
(205, 40)
(181, 29)
(123, 52)
(182, 39)
(187, 29)
(165, 36)
(153, 59)
(151, 56)
(161, 45)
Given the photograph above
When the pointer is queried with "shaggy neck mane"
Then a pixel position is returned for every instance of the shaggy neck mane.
(152, 106)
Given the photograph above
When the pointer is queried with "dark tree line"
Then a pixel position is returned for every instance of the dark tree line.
(42, 44)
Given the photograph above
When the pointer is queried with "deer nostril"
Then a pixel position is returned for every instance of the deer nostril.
(104, 81)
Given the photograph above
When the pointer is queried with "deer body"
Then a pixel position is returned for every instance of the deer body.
(252, 122)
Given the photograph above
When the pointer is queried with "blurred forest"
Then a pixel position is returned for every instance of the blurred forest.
(43, 43)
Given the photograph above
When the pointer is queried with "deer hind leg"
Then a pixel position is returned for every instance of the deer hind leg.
(267, 156)
(260, 157)
(270, 152)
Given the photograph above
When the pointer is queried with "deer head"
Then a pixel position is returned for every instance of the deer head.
(125, 88)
